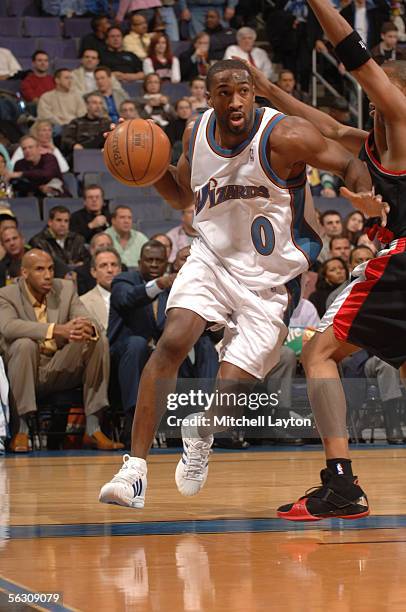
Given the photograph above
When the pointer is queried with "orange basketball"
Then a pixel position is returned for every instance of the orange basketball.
(137, 152)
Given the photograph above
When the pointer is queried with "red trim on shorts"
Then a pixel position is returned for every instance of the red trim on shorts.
(351, 306)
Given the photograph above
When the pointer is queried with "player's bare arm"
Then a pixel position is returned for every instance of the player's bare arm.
(174, 186)
(386, 96)
(350, 138)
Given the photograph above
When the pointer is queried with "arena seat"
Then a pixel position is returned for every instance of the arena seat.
(19, 47)
(58, 47)
(133, 89)
(76, 27)
(71, 183)
(35, 27)
(72, 204)
(26, 209)
(11, 26)
(341, 204)
(174, 91)
(88, 160)
(149, 228)
(20, 8)
(70, 64)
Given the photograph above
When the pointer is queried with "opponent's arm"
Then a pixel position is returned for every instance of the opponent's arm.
(174, 186)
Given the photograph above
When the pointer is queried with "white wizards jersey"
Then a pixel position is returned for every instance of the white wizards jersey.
(250, 219)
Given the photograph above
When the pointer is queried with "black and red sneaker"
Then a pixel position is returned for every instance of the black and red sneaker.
(337, 497)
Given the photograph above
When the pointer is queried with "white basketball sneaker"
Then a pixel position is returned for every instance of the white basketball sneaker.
(128, 486)
(193, 467)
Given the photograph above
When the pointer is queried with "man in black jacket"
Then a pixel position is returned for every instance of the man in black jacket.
(220, 37)
(94, 217)
(59, 242)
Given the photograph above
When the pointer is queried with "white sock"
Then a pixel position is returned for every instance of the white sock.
(23, 426)
(92, 424)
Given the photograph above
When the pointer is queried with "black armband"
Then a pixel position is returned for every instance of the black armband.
(352, 51)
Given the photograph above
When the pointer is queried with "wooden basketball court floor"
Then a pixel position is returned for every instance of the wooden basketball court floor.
(221, 550)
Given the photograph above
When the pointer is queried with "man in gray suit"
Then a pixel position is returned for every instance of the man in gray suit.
(105, 265)
(50, 343)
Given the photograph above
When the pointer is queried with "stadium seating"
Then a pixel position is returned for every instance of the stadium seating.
(70, 64)
(59, 47)
(26, 209)
(11, 26)
(76, 27)
(71, 183)
(88, 160)
(21, 7)
(72, 204)
(19, 47)
(40, 27)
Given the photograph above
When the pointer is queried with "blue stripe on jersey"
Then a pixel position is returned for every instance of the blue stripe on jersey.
(294, 288)
(304, 236)
(193, 138)
(211, 128)
(293, 182)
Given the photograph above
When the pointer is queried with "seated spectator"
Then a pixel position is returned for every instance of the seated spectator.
(85, 280)
(195, 12)
(12, 242)
(331, 225)
(128, 110)
(112, 97)
(153, 104)
(167, 242)
(62, 104)
(195, 61)
(354, 226)
(7, 219)
(246, 50)
(287, 82)
(331, 275)
(37, 174)
(220, 37)
(176, 127)
(126, 240)
(57, 240)
(340, 247)
(83, 79)
(137, 317)
(124, 65)
(87, 132)
(138, 39)
(39, 81)
(42, 131)
(6, 189)
(388, 48)
(143, 7)
(9, 66)
(104, 266)
(97, 38)
(50, 344)
(161, 60)
(198, 97)
(94, 217)
(358, 256)
(183, 234)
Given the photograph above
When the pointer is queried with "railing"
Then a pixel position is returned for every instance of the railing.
(317, 77)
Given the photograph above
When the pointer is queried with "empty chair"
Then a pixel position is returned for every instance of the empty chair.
(38, 26)
(149, 228)
(174, 91)
(19, 47)
(72, 204)
(147, 210)
(11, 26)
(58, 47)
(114, 189)
(21, 7)
(88, 160)
(71, 183)
(70, 64)
(25, 62)
(30, 228)
(133, 89)
(77, 26)
(26, 209)
(180, 46)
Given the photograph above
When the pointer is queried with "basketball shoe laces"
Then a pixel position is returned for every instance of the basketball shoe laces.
(196, 456)
(128, 472)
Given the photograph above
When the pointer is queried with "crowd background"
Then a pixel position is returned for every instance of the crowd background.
(67, 70)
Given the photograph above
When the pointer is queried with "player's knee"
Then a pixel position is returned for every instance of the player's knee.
(309, 356)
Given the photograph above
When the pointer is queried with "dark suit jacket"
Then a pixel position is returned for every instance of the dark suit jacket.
(131, 312)
(376, 16)
(17, 316)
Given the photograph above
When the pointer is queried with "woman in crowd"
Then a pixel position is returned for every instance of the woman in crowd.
(153, 104)
(198, 94)
(354, 226)
(160, 59)
(176, 127)
(42, 131)
(195, 61)
(332, 274)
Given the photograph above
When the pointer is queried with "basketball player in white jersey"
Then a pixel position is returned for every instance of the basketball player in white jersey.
(245, 171)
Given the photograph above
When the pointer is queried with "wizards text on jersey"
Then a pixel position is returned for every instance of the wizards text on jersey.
(217, 195)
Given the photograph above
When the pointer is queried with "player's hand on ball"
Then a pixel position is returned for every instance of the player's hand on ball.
(166, 281)
(368, 203)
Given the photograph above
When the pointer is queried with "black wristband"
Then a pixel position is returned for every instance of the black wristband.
(352, 51)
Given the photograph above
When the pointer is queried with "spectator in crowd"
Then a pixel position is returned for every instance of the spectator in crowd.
(42, 131)
(97, 38)
(367, 18)
(182, 235)
(83, 79)
(331, 225)
(94, 217)
(168, 19)
(112, 97)
(364, 240)
(128, 110)
(124, 65)
(39, 81)
(126, 240)
(332, 274)
(37, 174)
(388, 48)
(246, 50)
(137, 318)
(57, 240)
(161, 60)
(12, 242)
(287, 82)
(6, 189)
(198, 96)
(340, 247)
(51, 344)
(195, 11)
(62, 104)
(220, 37)
(167, 242)
(176, 127)
(195, 60)
(87, 132)
(85, 280)
(7, 219)
(9, 66)
(153, 104)
(104, 266)
(138, 39)
(354, 226)
(146, 8)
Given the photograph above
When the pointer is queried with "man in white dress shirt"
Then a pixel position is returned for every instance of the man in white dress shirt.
(105, 265)
(246, 50)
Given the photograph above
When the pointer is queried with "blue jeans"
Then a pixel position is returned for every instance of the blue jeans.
(97, 7)
(171, 22)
